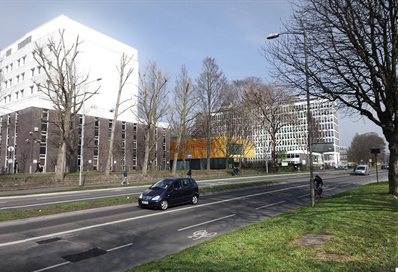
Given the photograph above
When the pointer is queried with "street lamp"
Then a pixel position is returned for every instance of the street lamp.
(82, 133)
(10, 158)
(307, 88)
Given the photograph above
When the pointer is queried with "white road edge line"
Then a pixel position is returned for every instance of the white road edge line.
(119, 247)
(142, 216)
(270, 205)
(207, 222)
(62, 201)
(302, 196)
(53, 266)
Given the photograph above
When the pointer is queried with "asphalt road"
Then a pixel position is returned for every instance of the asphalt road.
(117, 238)
(38, 201)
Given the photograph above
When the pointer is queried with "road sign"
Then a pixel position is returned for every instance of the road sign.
(375, 150)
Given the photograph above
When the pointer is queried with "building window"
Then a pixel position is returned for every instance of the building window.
(31, 89)
(33, 71)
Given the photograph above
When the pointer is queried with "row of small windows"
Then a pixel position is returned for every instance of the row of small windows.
(9, 68)
(20, 94)
(21, 77)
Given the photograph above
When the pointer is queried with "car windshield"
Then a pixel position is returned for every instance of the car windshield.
(360, 168)
(162, 184)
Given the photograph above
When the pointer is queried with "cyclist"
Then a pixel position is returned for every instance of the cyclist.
(318, 185)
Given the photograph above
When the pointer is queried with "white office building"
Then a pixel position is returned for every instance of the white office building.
(27, 134)
(293, 139)
(99, 55)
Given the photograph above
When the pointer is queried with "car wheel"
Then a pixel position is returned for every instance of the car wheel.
(194, 199)
(164, 205)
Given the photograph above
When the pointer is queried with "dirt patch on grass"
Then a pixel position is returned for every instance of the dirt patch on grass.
(317, 241)
(312, 240)
(333, 257)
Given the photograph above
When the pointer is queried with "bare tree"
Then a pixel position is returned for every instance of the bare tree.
(63, 86)
(273, 106)
(152, 108)
(182, 112)
(209, 85)
(124, 72)
(351, 52)
(234, 121)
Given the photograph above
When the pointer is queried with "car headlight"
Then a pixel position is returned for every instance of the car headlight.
(140, 196)
(156, 198)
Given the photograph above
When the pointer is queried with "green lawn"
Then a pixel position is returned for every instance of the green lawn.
(362, 225)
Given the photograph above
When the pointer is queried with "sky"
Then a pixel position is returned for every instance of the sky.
(175, 32)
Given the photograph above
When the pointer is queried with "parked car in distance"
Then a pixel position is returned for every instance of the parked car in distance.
(384, 166)
(361, 170)
(170, 192)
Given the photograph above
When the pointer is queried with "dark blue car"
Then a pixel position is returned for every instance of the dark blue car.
(170, 192)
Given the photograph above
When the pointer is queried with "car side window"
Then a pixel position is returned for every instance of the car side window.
(186, 183)
(177, 185)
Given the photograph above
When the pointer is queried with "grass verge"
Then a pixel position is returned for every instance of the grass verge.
(70, 207)
(361, 225)
(84, 205)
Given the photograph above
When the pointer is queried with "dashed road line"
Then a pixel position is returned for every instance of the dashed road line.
(270, 205)
(119, 247)
(51, 267)
(207, 222)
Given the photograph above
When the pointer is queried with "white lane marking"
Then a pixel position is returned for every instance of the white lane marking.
(302, 196)
(207, 222)
(50, 267)
(141, 217)
(270, 205)
(62, 201)
(119, 247)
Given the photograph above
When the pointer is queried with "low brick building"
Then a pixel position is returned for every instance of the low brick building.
(30, 136)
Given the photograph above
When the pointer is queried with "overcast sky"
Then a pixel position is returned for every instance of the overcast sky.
(174, 33)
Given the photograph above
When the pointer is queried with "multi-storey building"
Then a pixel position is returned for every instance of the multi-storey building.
(292, 139)
(28, 135)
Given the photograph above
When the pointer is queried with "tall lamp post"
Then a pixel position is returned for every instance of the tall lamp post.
(82, 133)
(307, 88)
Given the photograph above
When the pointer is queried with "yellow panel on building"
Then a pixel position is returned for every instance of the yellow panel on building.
(197, 148)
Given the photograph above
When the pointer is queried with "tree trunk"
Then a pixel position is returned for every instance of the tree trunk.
(176, 150)
(273, 153)
(109, 160)
(146, 155)
(393, 168)
(60, 167)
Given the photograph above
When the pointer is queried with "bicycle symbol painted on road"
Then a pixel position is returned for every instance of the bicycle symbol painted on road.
(202, 234)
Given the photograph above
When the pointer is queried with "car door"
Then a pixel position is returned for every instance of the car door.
(176, 194)
(187, 190)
